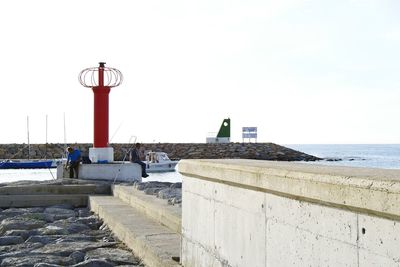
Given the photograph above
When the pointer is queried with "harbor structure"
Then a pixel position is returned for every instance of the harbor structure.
(224, 133)
(101, 79)
(94, 78)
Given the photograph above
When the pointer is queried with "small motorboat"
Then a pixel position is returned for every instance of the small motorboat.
(26, 164)
(159, 162)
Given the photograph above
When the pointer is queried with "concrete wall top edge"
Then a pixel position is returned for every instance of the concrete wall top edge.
(374, 190)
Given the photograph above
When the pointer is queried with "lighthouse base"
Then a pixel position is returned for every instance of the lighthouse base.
(101, 154)
(117, 171)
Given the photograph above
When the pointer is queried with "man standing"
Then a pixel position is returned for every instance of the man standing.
(135, 158)
(73, 160)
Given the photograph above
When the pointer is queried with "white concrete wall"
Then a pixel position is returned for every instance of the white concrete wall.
(127, 172)
(235, 213)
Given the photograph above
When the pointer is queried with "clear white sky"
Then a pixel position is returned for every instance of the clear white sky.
(301, 71)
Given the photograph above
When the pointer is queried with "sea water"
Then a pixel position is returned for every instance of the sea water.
(359, 155)
(370, 156)
(12, 175)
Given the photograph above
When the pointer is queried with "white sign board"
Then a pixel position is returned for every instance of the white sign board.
(249, 132)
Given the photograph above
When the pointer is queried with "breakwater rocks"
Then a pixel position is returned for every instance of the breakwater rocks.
(260, 151)
(171, 192)
(59, 236)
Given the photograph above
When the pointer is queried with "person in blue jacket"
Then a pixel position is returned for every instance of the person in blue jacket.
(73, 160)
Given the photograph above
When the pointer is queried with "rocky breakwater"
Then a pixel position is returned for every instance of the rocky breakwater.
(260, 151)
(171, 192)
(59, 236)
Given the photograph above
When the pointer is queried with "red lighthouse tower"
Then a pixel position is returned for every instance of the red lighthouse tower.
(101, 79)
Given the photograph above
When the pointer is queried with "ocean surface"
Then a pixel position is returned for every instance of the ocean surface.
(370, 156)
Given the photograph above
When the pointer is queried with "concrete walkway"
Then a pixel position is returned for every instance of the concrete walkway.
(147, 225)
(40, 195)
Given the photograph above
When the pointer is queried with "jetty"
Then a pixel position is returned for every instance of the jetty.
(235, 212)
(260, 151)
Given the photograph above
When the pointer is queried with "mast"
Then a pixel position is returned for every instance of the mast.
(45, 148)
(29, 145)
(65, 138)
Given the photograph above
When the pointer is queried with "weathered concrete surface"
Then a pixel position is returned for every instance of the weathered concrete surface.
(154, 243)
(116, 171)
(373, 191)
(245, 213)
(39, 195)
(77, 200)
(155, 208)
(56, 189)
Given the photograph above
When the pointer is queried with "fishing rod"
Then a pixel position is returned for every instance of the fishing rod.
(116, 131)
(127, 153)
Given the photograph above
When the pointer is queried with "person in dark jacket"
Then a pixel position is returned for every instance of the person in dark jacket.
(135, 158)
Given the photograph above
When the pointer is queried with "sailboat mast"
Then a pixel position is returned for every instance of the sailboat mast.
(45, 148)
(65, 138)
(29, 145)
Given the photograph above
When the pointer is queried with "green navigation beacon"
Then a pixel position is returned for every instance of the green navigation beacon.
(225, 129)
(224, 134)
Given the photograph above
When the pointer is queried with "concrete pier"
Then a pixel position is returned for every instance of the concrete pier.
(116, 171)
(260, 213)
(249, 213)
(40, 195)
(147, 225)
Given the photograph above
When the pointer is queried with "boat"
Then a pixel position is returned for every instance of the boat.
(26, 164)
(159, 162)
(29, 163)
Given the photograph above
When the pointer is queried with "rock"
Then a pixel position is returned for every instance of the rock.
(22, 233)
(46, 265)
(84, 212)
(76, 238)
(17, 250)
(175, 200)
(108, 239)
(20, 211)
(114, 255)
(152, 191)
(169, 193)
(74, 228)
(145, 185)
(333, 159)
(77, 256)
(43, 239)
(176, 185)
(66, 248)
(60, 213)
(98, 233)
(10, 240)
(20, 224)
(91, 221)
(47, 217)
(94, 263)
(31, 260)
(63, 242)
(52, 230)
(104, 227)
